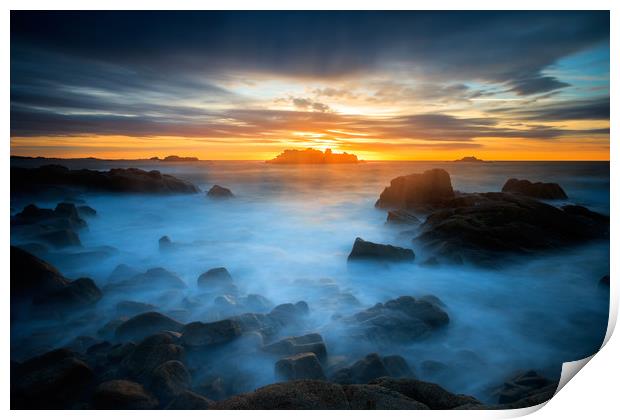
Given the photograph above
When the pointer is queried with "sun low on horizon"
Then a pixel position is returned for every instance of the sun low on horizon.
(248, 85)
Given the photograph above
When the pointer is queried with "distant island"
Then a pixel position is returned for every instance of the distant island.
(469, 159)
(313, 156)
(175, 158)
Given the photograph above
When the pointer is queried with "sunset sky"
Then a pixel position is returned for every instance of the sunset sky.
(247, 85)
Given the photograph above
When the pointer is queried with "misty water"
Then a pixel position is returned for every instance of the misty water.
(291, 227)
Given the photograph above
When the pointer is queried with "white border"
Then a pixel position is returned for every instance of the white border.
(593, 395)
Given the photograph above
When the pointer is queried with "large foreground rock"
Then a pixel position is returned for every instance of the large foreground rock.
(479, 227)
(542, 190)
(32, 277)
(54, 380)
(417, 191)
(299, 366)
(372, 367)
(370, 251)
(289, 346)
(24, 180)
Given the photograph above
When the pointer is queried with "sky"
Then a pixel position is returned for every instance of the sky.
(248, 85)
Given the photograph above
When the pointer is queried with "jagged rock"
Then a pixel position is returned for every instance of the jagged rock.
(299, 366)
(417, 191)
(432, 395)
(188, 400)
(54, 380)
(545, 191)
(25, 180)
(373, 397)
(219, 192)
(169, 380)
(146, 324)
(370, 251)
(123, 395)
(199, 334)
(290, 346)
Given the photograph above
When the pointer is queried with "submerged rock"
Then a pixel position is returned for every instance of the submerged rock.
(299, 366)
(417, 191)
(165, 244)
(217, 280)
(365, 250)
(152, 279)
(219, 192)
(542, 190)
(123, 395)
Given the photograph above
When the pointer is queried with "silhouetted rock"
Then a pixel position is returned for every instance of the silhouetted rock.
(32, 277)
(219, 192)
(62, 238)
(542, 190)
(169, 380)
(469, 159)
(165, 244)
(24, 180)
(146, 324)
(54, 380)
(312, 156)
(188, 400)
(154, 278)
(479, 227)
(399, 320)
(604, 281)
(432, 395)
(299, 366)
(78, 293)
(370, 251)
(402, 217)
(200, 334)
(175, 158)
(123, 395)
(417, 191)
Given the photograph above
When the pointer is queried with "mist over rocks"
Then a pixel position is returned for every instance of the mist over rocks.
(370, 251)
(31, 180)
(541, 190)
(217, 192)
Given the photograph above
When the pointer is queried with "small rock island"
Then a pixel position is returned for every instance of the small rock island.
(313, 156)
(470, 159)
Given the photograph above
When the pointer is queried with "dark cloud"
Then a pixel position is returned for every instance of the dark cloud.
(534, 85)
(309, 104)
(585, 109)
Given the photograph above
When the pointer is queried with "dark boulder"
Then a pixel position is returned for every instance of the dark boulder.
(370, 251)
(165, 244)
(200, 334)
(122, 272)
(480, 227)
(32, 277)
(169, 380)
(290, 346)
(54, 380)
(132, 308)
(541, 190)
(149, 354)
(289, 314)
(123, 395)
(146, 324)
(400, 320)
(522, 386)
(217, 280)
(154, 278)
(79, 293)
(295, 395)
(62, 238)
(397, 367)
(219, 192)
(299, 366)
(417, 191)
(363, 371)
(432, 395)
(188, 400)
(374, 397)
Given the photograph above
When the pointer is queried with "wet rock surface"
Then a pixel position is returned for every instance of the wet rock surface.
(370, 251)
(417, 191)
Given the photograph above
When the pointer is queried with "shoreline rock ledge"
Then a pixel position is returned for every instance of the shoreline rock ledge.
(417, 191)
